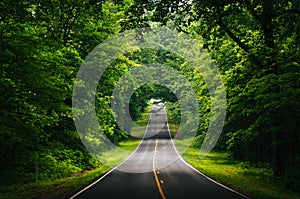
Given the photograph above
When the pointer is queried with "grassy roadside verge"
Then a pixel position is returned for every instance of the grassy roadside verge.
(172, 126)
(65, 187)
(139, 127)
(253, 181)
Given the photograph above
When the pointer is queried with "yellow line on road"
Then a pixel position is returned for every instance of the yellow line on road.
(155, 175)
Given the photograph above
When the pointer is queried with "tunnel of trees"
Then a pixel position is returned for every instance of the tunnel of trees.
(254, 44)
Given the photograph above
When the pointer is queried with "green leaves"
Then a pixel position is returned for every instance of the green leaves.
(255, 44)
(42, 47)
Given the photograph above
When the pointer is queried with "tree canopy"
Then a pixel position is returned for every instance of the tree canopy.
(254, 44)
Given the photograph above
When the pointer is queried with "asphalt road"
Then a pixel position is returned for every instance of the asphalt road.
(156, 170)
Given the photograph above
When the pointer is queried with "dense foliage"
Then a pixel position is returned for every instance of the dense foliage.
(262, 76)
(43, 44)
(255, 45)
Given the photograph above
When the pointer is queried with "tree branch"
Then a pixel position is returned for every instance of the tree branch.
(232, 36)
(239, 43)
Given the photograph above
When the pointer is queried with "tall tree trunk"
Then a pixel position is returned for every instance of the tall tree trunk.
(279, 159)
(279, 146)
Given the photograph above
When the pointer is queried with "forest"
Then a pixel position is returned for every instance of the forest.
(254, 44)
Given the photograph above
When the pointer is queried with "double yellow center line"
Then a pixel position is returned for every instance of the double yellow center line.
(155, 174)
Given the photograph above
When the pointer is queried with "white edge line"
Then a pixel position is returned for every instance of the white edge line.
(108, 172)
(186, 163)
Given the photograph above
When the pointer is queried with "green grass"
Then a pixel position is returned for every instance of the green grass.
(253, 181)
(139, 127)
(59, 188)
(116, 155)
(172, 126)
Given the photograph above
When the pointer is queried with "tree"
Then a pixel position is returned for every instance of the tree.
(43, 44)
(263, 39)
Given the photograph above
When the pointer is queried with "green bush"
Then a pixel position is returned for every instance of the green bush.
(197, 141)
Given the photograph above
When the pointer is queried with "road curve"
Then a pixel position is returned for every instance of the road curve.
(156, 170)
